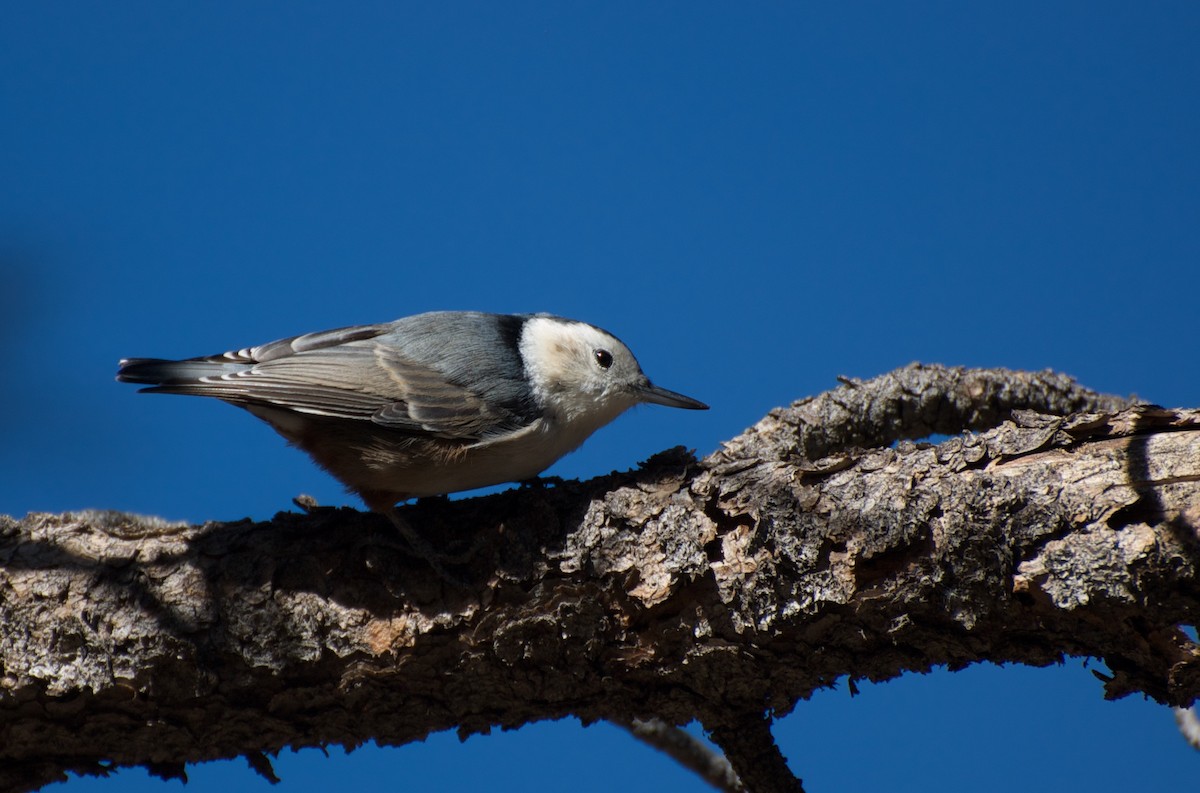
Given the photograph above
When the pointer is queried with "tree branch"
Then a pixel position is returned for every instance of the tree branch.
(687, 751)
(753, 753)
(1189, 725)
(684, 590)
(915, 402)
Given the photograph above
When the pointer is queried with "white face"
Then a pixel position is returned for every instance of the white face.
(580, 369)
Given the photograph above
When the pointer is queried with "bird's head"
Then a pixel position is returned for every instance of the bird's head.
(584, 373)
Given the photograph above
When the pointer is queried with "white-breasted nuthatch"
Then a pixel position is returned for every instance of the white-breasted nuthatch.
(430, 404)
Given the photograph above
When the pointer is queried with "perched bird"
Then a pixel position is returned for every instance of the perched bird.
(429, 404)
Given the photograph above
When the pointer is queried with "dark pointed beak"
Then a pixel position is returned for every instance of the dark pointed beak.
(661, 396)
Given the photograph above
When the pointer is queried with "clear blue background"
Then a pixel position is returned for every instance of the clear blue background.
(756, 197)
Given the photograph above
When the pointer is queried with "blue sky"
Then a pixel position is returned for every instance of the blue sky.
(756, 198)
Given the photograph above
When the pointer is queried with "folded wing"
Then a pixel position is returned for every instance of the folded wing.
(347, 373)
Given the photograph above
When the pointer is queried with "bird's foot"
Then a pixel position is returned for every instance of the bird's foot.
(427, 553)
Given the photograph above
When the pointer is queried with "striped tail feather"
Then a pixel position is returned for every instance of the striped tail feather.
(166, 373)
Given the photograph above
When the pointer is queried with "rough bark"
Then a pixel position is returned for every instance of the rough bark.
(808, 549)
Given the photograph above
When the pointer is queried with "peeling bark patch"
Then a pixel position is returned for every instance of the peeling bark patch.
(1064, 564)
(390, 635)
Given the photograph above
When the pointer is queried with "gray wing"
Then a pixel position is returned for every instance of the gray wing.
(348, 373)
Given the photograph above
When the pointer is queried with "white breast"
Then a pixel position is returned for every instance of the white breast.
(527, 452)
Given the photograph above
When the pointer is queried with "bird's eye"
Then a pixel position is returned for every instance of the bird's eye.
(604, 358)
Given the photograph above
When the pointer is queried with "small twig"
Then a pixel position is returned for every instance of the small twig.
(1189, 725)
(755, 757)
(687, 750)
